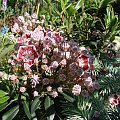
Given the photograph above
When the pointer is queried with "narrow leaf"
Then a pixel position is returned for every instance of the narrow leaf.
(9, 115)
(67, 97)
(26, 109)
(49, 107)
(35, 104)
(78, 5)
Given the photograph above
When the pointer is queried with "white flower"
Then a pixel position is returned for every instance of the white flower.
(35, 93)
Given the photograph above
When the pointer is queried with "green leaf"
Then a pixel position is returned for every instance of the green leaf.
(71, 10)
(2, 93)
(9, 115)
(67, 97)
(26, 109)
(3, 106)
(49, 107)
(78, 5)
(4, 99)
(5, 51)
(35, 104)
(113, 24)
(6, 104)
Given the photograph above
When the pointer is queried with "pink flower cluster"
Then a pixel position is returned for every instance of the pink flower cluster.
(50, 61)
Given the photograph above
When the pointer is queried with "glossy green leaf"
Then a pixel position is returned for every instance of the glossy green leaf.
(2, 93)
(4, 99)
(26, 109)
(3, 106)
(35, 104)
(9, 115)
(49, 107)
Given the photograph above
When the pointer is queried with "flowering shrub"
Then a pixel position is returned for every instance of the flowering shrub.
(47, 63)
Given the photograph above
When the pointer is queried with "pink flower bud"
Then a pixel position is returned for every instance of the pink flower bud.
(22, 89)
(49, 88)
(54, 94)
(60, 90)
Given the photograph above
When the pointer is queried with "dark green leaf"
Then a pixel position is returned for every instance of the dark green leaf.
(26, 109)
(9, 115)
(67, 97)
(35, 104)
(3, 106)
(49, 107)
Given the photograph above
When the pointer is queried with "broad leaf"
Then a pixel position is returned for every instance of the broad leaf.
(2, 93)
(9, 115)
(4, 99)
(5, 104)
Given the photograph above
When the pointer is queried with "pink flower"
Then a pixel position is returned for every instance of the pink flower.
(11, 37)
(60, 89)
(54, 64)
(21, 19)
(54, 94)
(24, 77)
(57, 37)
(27, 54)
(88, 81)
(49, 88)
(113, 100)
(15, 28)
(22, 89)
(83, 62)
(4, 5)
(76, 89)
(12, 77)
(63, 62)
(36, 78)
(34, 15)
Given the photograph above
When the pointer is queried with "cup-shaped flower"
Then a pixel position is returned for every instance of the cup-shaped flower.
(27, 54)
